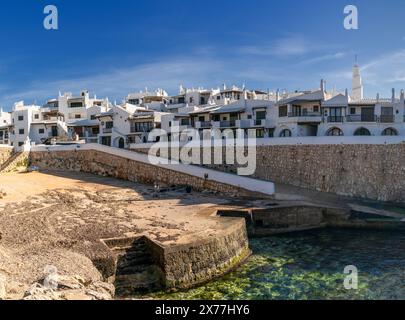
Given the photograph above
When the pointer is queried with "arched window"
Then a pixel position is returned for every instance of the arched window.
(286, 133)
(334, 132)
(362, 132)
(389, 132)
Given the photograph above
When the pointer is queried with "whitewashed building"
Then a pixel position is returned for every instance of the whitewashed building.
(152, 100)
(80, 114)
(5, 127)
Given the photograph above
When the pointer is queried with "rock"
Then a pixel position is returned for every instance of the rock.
(103, 287)
(72, 288)
(75, 282)
(76, 296)
(3, 292)
(98, 295)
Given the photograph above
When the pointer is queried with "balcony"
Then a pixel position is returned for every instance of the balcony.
(259, 123)
(107, 130)
(304, 117)
(387, 118)
(335, 119)
(361, 118)
(203, 124)
(141, 130)
(228, 124)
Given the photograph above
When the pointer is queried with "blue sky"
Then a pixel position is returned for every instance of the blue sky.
(115, 47)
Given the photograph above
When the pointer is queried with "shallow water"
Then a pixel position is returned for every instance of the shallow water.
(310, 265)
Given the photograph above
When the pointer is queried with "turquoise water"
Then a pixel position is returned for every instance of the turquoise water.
(310, 265)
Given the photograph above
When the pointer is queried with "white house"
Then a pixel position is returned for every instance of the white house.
(155, 100)
(80, 114)
(5, 127)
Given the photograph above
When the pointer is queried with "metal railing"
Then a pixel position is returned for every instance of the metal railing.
(361, 118)
(228, 124)
(387, 118)
(205, 124)
(304, 114)
(107, 130)
(335, 119)
(259, 123)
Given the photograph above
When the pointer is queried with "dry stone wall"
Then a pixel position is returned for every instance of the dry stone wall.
(192, 264)
(5, 154)
(372, 171)
(96, 162)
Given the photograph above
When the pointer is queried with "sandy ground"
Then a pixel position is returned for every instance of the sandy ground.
(59, 218)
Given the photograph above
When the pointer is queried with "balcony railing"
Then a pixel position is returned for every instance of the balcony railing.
(387, 118)
(303, 114)
(107, 130)
(141, 130)
(361, 118)
(228, 124)
(205, 124)
(336, 119)
(259, 123)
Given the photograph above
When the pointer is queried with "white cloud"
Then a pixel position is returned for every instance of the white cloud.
(386, 69)
(325, 57)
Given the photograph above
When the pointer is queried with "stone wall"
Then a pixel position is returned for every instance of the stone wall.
(367, 171)
(189, 265)
(373, 171)
(91, 161)
(5, 154)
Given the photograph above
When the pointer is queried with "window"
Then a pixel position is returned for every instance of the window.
(76, 105)
(390, 132)
(336, 115)
(260, 133)
(78, 116)
(191, 100)
(286, 133)
(142, 127)
(352, 111)
(283, 111)
(133, 101)
(201, 119)
(41, 131)
(20, 144)
(334, 132)
(20, 118)
(109, 125)
(93, 117)
(260, 115)
(21, 131)
(362, 132)
(218, 97)
(36, 117)
(316, 108)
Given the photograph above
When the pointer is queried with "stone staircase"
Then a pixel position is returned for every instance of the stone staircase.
(17, 161)
(136, 272)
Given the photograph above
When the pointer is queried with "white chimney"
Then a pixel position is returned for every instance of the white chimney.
(393, 95)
